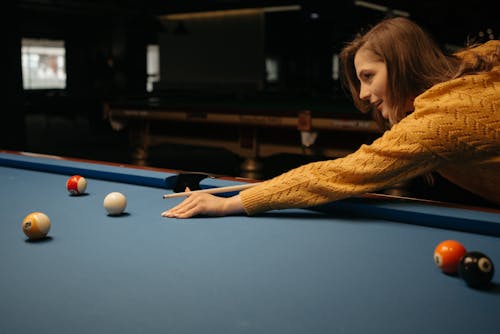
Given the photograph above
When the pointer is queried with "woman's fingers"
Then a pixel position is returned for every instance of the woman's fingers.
(205, 204)
(195, 204)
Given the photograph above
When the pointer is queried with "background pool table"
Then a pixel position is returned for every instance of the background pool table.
(361, 266)
(252, 128)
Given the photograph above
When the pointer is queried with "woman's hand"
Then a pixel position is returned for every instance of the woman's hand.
(205, 204)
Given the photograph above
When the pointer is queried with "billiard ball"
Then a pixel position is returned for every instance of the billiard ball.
(36, 225)
(476, 269)
(76, 185)
(115, 203)
(447, 255)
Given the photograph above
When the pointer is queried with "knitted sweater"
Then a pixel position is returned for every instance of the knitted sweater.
(454, 130)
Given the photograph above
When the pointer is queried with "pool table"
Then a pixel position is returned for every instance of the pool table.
(363, 265)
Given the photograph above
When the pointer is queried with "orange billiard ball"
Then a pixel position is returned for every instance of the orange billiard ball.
(447, 255)
(36, 225)
(76, 185)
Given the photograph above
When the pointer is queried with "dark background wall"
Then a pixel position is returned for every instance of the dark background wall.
(106, 46)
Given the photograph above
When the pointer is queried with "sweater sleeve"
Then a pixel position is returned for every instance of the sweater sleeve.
(453, 123)
(394, 157)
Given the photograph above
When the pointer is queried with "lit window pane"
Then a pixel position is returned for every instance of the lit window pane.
(153, 66)
(43, 64)
(272, 70)
(335, 67)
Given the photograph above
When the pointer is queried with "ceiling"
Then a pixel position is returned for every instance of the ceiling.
(447, 18)
(446, 9)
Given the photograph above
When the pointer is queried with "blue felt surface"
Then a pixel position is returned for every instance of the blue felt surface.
(292, 271)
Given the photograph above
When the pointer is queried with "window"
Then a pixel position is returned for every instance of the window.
(43, 64)
(272, 70)
(335, 67)
(153, 66)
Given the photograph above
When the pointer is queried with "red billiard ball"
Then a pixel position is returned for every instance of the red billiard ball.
(76, 185)
(447, 255)
(476, 269)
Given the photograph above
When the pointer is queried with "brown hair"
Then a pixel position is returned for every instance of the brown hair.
(414, 64)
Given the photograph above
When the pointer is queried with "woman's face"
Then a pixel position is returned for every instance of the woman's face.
(372, 75)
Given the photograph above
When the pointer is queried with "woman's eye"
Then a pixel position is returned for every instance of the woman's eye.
(367, 76)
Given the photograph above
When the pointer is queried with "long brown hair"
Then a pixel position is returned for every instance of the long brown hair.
(414, 64)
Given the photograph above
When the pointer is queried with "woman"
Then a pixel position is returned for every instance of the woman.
(443, 112)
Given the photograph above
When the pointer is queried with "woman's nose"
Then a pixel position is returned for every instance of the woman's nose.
(364, 93)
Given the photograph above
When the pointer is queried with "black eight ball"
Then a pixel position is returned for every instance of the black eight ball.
(476, 269)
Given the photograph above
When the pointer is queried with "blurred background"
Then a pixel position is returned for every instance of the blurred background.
(154, 82)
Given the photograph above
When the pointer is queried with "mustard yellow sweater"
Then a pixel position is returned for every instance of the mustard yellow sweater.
(454, 130)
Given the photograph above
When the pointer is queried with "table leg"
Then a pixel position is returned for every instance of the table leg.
(139, 142)
(249, 150)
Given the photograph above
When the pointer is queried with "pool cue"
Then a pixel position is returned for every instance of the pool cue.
(212, 190)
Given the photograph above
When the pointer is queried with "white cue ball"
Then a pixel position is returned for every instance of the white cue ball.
(115, 203)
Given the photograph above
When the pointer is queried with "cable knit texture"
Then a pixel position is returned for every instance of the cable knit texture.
(454, 130)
